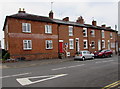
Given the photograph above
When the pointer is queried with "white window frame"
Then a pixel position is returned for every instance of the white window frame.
(26, 27)
(6, 28)
(103, 34)
(49, 43)
(85, 32)
(111, 36)
(103, 44)
(71, 43)
(85, 44)
(70, 30)
(48, 29)
(27, 44)
(112, 45)
(93, 44)
(93, 33)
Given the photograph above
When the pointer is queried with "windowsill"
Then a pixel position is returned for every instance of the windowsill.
(27, 49)
(48, 33)
(72, 49)
(85, 48)
(49, 48)
(27, 32)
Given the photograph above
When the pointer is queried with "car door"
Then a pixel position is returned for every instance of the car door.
(89, 54)
(107, 52)
(85, 54)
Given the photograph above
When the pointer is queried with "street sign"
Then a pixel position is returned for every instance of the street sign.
(27, 81)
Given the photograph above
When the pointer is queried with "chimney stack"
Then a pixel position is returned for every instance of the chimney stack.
(80, 20)
(21, 10)
(104, 26)
(108, 27)
(66, 19)
(51, 14)
(94, 23)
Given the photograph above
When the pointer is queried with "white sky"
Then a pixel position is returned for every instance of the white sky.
(103, 11)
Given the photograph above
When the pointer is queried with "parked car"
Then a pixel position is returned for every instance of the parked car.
(104, 53)
(82, 55)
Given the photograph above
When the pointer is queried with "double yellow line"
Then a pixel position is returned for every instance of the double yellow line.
(117, 83)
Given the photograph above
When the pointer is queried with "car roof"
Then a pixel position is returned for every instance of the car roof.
(84, 51)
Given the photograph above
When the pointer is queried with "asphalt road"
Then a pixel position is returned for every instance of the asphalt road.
(90, 73)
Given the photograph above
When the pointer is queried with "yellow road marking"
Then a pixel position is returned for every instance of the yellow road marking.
(112, 85)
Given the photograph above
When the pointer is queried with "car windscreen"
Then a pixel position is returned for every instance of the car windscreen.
(78, 52)
(101, 51)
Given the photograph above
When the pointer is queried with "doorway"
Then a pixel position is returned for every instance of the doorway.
(108, 44)
(77, 45)
(99, 45)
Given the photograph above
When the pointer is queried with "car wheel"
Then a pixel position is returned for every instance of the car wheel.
(111, 55)
(103, 55)
(93, 57)
(83, 58)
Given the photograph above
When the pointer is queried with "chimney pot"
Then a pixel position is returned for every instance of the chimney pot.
(66, 19)
(94, 23)
(109, 27)
(51, 14)
(21, 10)
(80, 20)
(103, 25)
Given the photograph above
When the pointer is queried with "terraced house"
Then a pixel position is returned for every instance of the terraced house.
(37, 37)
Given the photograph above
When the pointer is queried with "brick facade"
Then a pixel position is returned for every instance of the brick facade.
(14, 36)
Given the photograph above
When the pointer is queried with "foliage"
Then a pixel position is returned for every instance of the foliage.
(6, 56)
(3, 52)
(61, 55)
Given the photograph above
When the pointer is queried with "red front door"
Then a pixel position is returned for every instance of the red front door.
(61, 47)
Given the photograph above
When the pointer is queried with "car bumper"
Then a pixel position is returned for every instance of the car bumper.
(78, 57)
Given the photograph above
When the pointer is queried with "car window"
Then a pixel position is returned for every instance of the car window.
(103, 50)
(84, 52)
(107, 50)
(88, 52)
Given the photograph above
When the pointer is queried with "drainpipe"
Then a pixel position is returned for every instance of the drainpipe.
(88, 39)
(58, 38)
(101, 38)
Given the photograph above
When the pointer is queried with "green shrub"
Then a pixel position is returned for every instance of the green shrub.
(3, 52)
(6, 56)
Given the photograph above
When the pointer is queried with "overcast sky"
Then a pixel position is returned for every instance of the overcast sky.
(103, 11)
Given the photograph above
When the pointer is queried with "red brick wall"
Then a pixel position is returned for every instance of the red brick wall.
(38, 37)
(15, 39)
(64, 35)
(95, 38)
(107, 37)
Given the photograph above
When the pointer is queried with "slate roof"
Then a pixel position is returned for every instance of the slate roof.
(33, 17)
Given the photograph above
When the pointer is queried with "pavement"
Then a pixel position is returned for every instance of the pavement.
(21, 64)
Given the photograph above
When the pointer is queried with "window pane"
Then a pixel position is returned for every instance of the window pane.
(85, 32)
(48, 29)
(70, 30)
(49, 44)
(26, 27)
(25, 45)
(29, 44)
